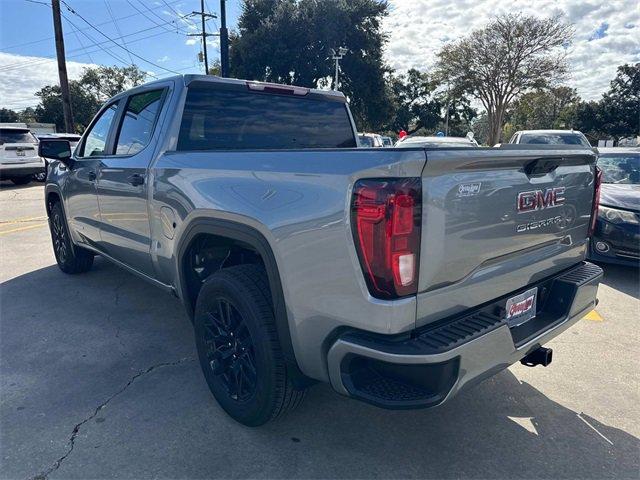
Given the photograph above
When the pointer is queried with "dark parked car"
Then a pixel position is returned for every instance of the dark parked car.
(617, 234)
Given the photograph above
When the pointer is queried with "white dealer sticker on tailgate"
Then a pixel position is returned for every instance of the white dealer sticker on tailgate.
(521, 307)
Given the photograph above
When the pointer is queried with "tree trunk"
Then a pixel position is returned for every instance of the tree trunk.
(495, 125)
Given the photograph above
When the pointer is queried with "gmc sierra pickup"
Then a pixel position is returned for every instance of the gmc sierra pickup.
(400, 276)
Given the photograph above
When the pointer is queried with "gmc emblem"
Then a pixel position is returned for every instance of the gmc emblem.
(539, 200)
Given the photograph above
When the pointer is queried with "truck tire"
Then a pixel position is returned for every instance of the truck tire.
(71, 258)
(238, 346)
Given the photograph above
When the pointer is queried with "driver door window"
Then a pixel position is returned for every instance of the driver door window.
(96, 140)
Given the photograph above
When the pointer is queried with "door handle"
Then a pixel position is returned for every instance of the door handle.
(91, 176)
(136, 180)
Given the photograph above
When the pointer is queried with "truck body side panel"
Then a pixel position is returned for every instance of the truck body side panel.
(299, 201)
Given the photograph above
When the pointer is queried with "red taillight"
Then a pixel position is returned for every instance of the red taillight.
(386, 216)
(596, 200)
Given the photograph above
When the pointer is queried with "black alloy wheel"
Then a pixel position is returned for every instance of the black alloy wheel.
(59, 237)
(238, 346)
(230, 351)
(71, 258)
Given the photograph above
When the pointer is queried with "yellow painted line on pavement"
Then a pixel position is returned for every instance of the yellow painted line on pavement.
(20, 229)
(594, 316)
(22, 220)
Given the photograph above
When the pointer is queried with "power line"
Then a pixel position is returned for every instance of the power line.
(180, 15)
(158, 16)
(18, 45)
(115, 24)
(151, 19)
(75, 32)
(114, 42)
(93, 41)
(17, 66)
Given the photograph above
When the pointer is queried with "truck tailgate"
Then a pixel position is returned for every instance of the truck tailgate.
(496, 220)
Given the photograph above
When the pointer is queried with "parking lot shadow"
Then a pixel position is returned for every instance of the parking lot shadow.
(98, 380)
(8, 185)
(623, 278)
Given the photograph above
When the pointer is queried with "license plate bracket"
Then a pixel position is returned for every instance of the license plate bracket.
(521, 308)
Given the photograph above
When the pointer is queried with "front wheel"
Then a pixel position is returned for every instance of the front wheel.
(238, 347)
(70, 258)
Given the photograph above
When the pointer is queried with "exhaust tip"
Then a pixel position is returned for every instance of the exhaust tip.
(540, 356)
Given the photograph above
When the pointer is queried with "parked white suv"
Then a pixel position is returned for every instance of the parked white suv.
(550, 137)
(19, 160)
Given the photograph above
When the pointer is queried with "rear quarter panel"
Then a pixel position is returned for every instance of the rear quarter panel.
(299, 201)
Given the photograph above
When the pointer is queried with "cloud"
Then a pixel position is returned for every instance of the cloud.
(419, 28)
(191, 41)
(163, 59)
(21, 76)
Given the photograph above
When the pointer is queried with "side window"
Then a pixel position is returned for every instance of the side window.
(138, 121)
(96, 140)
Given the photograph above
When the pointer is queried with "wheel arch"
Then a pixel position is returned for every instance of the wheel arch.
(236, 231)
(52, 194)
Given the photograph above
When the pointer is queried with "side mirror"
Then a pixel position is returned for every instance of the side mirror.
(54, 149)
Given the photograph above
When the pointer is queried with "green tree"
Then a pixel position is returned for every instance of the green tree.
(616, 115)
(510, 56)
(8, 116)
(28, 115)
(414, 105)
(540, 109)
(420, 105)
(620, 106)
(290, 42)
(92, 89)
(105, 82)
(83, 103)
(461, 114)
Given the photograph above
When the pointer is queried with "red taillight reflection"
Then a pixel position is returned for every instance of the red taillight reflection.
(596, 200)
(386, 219)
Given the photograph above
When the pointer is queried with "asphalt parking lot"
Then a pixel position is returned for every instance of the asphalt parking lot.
(98, 379)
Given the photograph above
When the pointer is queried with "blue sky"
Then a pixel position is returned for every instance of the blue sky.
(607, 35)
(26, 30)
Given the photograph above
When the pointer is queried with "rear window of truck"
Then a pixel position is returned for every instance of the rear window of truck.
(236, 120)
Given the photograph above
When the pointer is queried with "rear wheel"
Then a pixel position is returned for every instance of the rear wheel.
(238, 347)
(71, 258)
(21, 180)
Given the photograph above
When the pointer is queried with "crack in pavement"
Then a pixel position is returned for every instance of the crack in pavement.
(76, 428)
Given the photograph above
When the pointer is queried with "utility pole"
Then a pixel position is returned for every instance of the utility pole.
(224, 41)
(62, 67)
(337, 55)
(446, 121)
(204, 15)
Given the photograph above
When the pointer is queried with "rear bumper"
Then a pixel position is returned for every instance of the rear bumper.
(15, 170)
(435, 362)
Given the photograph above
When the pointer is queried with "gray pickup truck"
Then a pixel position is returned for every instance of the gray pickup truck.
(399, 276)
